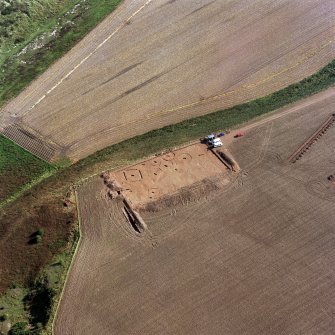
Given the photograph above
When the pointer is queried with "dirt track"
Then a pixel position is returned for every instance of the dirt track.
(176, 59)
(255, 259)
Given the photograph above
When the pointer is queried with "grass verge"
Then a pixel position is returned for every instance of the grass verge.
(191, 129)
(19, 170)
(40, 33)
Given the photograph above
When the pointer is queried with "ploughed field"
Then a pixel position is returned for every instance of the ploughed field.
(157, 62)
(254, 255)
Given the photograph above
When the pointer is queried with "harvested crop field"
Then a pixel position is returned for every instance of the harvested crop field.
(256, 257)
(157, 62)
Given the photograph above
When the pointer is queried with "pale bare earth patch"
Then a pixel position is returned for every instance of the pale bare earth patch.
(255, 257)
(167, 174)
(153, 63)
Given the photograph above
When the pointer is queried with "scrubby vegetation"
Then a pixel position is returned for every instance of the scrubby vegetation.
(18, 168)
(37, 236)
(35, 33)
(30, 310)
(22, 20)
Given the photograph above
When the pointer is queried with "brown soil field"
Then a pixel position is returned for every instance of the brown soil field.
(254, 258)
(167, 174)
(157, 62)
(20, 258)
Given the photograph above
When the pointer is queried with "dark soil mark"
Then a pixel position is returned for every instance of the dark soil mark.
(200, 8)
(133, 89)
(127, 69)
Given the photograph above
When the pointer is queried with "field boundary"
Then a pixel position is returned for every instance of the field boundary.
(48, 55)
(312, 139)
(31, 140)
(25, 188)
(230, 117)
(55, 312)
(189, 131)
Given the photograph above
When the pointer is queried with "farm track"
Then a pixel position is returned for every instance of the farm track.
(254, 258)
(122, 80)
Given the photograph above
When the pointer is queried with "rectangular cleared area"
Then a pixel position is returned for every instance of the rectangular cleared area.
(168, 173)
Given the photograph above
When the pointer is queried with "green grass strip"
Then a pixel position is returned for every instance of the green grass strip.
(174, 135)
(177, 134)
(19, 171)
(26, 187)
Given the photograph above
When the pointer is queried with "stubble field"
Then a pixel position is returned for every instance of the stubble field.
(253, 257)
(158, 62)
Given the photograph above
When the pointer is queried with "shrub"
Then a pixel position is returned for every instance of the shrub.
(40, 232)
(19, 328)
(37, 239)
(37, 236)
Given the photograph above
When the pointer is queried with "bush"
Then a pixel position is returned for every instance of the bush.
(39, 301)
(37, 236)
(20, 328)
(13, 285)
(40, 232)
(37, 239)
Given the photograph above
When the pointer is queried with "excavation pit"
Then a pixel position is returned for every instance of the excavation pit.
(165, 175)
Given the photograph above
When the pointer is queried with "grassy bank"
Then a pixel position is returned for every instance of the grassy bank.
(21, 21)
(157, 140)
(37, 33)
(19, 169)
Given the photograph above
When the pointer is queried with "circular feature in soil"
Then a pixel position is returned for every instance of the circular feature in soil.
(184, 157)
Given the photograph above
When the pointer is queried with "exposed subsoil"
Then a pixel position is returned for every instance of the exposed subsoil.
(166, 174)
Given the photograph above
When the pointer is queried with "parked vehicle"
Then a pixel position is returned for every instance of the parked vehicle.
(215, 143)
(212, 141)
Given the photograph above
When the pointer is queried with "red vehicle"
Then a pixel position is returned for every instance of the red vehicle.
(238, 135)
